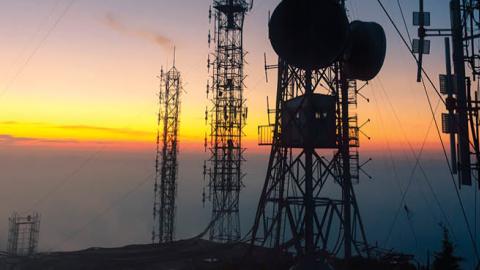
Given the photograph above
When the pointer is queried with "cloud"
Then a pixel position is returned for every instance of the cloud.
(85, 128)
(9, 139)
(115, 24)
(6, 139)
(70, 134)
(121, 131)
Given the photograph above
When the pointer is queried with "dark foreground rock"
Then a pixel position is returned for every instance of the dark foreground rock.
(195, 254)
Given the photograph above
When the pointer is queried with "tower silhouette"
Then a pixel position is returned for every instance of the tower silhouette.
(166, 164)
(308, 203)
(227, 115)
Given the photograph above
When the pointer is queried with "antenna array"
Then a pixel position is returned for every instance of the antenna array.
(227, 115)
(166, 164)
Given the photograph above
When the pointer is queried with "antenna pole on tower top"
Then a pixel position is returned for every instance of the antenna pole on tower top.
(227, 117)
(459, 69)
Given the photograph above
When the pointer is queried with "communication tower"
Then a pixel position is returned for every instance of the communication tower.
(227, 115)
(23, 235)
(166, 164)
(308, 204)
(459, 90)
(458, 85)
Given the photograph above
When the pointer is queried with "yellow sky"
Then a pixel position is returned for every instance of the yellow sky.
(93, 78)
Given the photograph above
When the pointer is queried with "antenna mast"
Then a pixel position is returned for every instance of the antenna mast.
(227, 116)
(461, 121)
(166, 164)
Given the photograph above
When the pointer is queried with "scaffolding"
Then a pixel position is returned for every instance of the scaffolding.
(23, 234)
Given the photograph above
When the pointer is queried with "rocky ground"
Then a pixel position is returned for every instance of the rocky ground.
(194, 254)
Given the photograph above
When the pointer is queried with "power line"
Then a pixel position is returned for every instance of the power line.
(37, 48)
(404, 21)
(106, 210)
(416, 156)
(37, 31)
(65, 180)
(438, 130)
(409, 215)
(410, 50)
(70, 176)
(394, 167)
(436, 107)
(417, 164)
(467, 223)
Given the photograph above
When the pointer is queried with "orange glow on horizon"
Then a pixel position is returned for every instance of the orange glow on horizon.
(91, 84)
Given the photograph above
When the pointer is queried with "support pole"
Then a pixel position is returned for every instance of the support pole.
(347, 179)
(459, 67)
(309, 149)
(421, 35)
(451, 104)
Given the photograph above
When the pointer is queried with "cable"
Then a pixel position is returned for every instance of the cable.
(105, 210)
(476, 213)
(421, 167)
(414, 56)
(404, 21)
(38, 31)
(394, 167)
(435, 197)
(409, 214)
(37, 48)
(417, 164)
(467, 223)
(65, 180)
(438, 130)
(410, 50)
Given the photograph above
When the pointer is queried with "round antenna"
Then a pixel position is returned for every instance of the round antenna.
(366, 51)
(309, 34)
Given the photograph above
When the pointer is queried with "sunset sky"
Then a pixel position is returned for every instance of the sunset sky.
(78, 110)
(85, 71)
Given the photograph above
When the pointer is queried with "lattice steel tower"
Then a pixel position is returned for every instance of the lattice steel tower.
(23, 234)
(308, 204)
(166, 164)
(227, 115)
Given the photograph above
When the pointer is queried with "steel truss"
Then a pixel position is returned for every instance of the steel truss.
(166, 164)
(23, 235)
(308, 205)
(227, 115)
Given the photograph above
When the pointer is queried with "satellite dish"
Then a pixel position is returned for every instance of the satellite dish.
(309, 34)
(365, 54)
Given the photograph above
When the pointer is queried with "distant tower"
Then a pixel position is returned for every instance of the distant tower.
(308, 205)
(227, 118)
(23, 234)
(166, 164)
